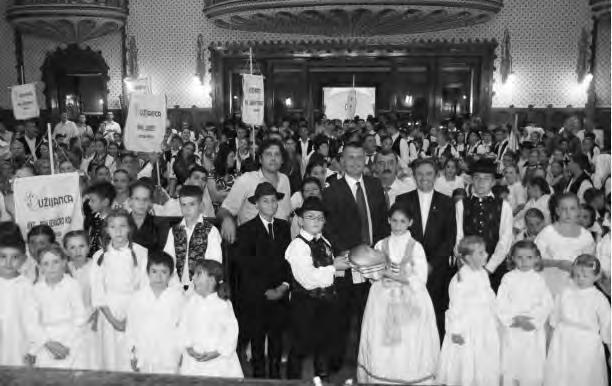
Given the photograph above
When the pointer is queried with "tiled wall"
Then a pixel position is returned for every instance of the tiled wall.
(544, 38)
(602, 65)
(8, 73)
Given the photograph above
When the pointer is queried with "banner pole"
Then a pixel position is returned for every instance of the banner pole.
(158, 175)
(50, 139)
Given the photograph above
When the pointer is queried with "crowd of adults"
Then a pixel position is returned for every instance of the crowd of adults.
(358, 167)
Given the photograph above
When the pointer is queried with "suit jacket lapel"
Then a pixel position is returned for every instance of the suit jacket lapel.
(348, 193)
(432, 212)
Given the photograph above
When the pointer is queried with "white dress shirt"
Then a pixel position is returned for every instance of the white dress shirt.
(400, 187)
(213, 248)
(68, 129)
(425, 203)
(266, 223)
(505, 233)
(299, 256)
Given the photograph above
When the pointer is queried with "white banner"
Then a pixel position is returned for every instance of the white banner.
(25, 102)
(146, 123)
(54, 200)
(253, 99)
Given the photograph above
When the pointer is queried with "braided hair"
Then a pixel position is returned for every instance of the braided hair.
(116, 213)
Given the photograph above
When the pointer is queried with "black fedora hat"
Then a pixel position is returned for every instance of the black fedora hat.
(265, 189)
(484, 165)
(311, 203)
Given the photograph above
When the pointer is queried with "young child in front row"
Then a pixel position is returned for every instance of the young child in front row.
(208, 329)
(119, 270)
(399, 336)
(523, 305)
(55, 314)
(39, 237)
(470, 352)
(581, 321)
(534, 223)
(76, 245)
(153, 317)
(313, 303)
(193, 238)
(14, 287)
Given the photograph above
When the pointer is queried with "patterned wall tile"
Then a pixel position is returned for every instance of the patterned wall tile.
(601, 77)
(544, 37)
(8, 73)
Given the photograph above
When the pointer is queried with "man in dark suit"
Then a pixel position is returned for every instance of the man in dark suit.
(357, 214)
(434, 227)
(263, 281)
(31, 141)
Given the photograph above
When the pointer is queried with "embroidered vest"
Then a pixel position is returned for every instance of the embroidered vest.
(196, 248)
(322, 256)
(575, 186)
(482, 218)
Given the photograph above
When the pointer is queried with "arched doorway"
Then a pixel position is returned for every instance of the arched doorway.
(75, 81)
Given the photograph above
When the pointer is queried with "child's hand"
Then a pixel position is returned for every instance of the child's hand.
(457, 339)
(29, 360)
(58, 350)
(93, 319)
(523, 322)
(202, 357)
(119, 325)
(341, 263)
(274, 294)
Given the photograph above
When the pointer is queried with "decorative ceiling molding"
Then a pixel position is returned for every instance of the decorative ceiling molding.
(71, 22)
(349, 18)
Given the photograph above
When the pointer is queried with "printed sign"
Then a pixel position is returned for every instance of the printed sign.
(146, 123)
(54, 200)
(138, 86)
(253, 99)
(25, 102)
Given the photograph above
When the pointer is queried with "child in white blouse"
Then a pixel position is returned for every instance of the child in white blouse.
(13, 289)
(153, 317)
(470, 352)
(581, 321)
(55, 314)
(208, 329)
(119, 270)
(76, 245)
(523, 305)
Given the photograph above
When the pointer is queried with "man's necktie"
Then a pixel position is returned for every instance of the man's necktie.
(363, 215)
(271, 230)
(387, 199)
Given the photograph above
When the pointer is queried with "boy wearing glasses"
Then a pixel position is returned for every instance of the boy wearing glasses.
(484, 215)
(313, 294)
(263, 281)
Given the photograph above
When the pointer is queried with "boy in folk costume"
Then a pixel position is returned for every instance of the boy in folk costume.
(313, 298)
(484, 215)
(263, 281)
(193, 238)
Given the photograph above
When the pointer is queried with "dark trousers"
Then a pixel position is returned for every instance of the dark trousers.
(437, 287)
(352, 299)
(312, 329)
(260, 320)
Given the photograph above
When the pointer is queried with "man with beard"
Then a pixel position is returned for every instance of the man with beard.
(385, 168)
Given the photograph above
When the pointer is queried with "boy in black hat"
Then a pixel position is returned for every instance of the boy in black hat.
(313, 294)
(263, 281)
(482, 214)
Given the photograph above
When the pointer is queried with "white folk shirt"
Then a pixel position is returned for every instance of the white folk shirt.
(55, 313)
(114, 282)
(14, 344)
(244, 187)
(213, 249)
(504, 241)
(425, 203)
(109, 129)
(152, 329)
(209, 324)
(299, 256)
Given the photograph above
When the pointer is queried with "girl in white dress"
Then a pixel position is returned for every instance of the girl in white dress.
(208, 329)
(561, 242)
(55, 314)
(523, 305)
(448, 180)
(470, 353)
(76, 244)
(581, 321)
(118, 270)
(399, 338)
(153, 317)
(14, 287)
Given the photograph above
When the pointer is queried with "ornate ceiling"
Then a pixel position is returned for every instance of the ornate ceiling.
(349, 18)
(68, 22)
